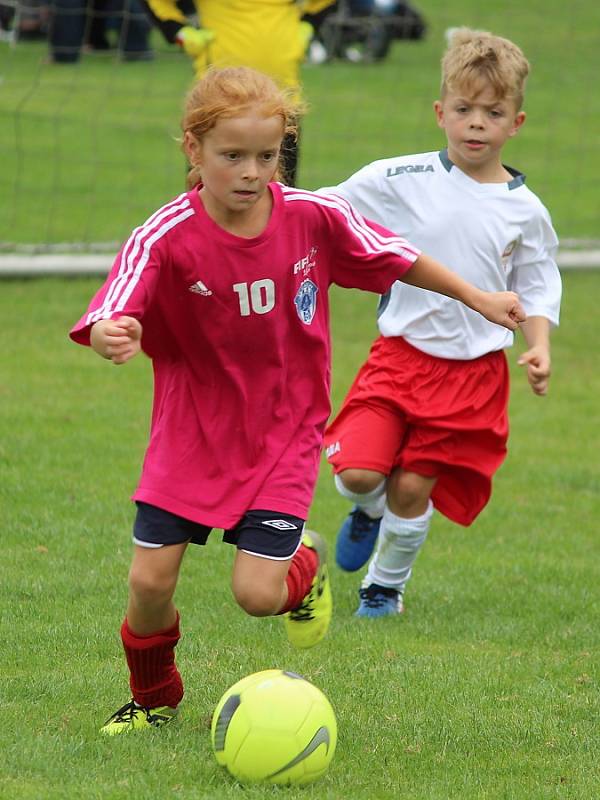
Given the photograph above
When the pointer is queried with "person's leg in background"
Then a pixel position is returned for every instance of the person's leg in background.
(289, 158)
(67, 30)
(134, 35)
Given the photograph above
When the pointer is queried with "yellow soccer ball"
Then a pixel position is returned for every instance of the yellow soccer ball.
(275, 727)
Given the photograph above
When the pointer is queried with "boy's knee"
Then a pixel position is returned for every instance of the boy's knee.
(409, 493)
(360, 481)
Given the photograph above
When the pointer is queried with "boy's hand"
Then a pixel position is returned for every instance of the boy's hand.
(537, 361)
(118, 340)
(194, 41)
(502, 308)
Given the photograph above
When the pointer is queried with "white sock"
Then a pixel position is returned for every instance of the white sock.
(372, 503)
(399, 543)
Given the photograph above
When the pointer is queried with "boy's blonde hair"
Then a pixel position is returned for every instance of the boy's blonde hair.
(231, 92)
(477, 57)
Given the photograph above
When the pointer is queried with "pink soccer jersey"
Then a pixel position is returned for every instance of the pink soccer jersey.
(238, 333)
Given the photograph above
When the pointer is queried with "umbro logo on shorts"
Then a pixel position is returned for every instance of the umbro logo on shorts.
(280, 524)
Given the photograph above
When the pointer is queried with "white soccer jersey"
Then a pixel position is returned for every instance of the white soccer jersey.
(496, 235)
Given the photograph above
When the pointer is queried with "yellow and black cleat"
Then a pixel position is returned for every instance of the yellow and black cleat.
(132, 717)
(308, 624)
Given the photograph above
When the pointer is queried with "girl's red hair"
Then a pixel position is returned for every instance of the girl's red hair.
(231, 92)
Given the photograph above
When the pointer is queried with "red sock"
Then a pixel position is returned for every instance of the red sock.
(154, 678)
(300, 576)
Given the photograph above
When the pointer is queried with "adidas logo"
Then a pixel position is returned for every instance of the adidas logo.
(200, 288)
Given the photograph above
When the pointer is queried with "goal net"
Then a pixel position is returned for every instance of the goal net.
(90, 147)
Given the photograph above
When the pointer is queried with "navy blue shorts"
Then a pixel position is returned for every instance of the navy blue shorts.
(262, 533)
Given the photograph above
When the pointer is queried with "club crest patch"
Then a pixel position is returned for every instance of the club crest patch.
(306, 301)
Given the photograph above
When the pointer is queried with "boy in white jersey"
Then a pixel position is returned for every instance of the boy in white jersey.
(225, 288)
(425, 424)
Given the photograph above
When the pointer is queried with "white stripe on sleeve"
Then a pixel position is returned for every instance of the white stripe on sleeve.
(372, 241)
(130, 252)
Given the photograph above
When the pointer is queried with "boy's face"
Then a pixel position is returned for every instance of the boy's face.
(477, 127)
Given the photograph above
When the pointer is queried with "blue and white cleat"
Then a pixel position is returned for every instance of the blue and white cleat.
(356, 540)
(379, 601)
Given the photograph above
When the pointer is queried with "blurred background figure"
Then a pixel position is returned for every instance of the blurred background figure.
(99, 25)
(268, 35)
(24, 20)
(362, 30)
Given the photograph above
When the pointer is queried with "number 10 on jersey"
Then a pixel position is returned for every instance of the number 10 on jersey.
(257, 297)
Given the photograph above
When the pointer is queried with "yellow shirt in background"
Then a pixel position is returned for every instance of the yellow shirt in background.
(266, 35)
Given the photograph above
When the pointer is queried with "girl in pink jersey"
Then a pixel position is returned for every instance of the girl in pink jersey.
(225, 289)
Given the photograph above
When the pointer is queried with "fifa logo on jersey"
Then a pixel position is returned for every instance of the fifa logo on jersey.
(304, 265)
(306, 301)
(391, 173)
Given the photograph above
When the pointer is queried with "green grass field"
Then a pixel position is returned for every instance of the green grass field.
(487, 688)
(89, 151)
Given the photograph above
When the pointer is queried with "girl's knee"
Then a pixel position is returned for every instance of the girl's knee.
(153, 573)
(258, 601)
(147, 587)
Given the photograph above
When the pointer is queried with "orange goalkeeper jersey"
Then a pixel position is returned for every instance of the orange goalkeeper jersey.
(263, 34)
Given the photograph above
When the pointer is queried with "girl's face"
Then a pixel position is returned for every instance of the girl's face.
(237, 157)
(477, 128)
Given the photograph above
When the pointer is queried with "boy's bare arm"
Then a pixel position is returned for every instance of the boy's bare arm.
(536, 331)
(118, 340)
(502, 308)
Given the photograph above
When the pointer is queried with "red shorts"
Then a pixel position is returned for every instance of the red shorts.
(437, 417)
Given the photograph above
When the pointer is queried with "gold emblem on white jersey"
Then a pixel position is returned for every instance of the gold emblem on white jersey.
(508, 251)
